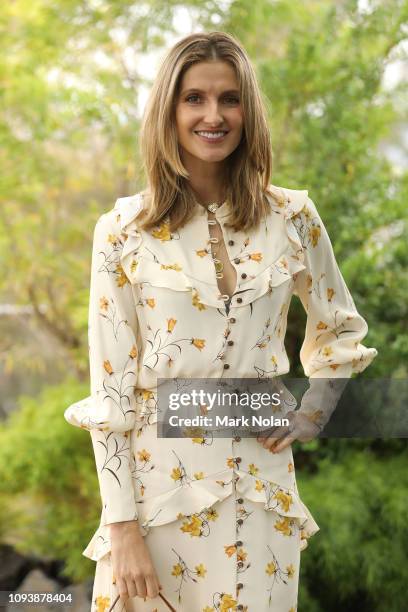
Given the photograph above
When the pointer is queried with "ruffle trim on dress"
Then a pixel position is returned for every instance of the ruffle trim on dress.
(141, 267)
(292, 201)
(198, 496)
(129, 209)
(286, 502)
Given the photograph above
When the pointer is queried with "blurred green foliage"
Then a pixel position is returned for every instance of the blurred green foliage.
(48, 476)
(357, 561)
(69, 117)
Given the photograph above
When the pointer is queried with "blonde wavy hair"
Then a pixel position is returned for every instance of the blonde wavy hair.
(169, 193)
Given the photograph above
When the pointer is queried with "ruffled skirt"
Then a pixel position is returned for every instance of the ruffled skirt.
(224, 540)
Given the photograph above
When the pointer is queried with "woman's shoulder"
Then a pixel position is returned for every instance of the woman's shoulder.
(125, 210)
(287, 201)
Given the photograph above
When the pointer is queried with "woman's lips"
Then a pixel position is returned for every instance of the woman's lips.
(212, 140)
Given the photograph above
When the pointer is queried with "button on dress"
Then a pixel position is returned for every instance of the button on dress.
(222, 517)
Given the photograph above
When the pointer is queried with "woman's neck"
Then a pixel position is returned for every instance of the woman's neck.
(207, 181)
(207, 192)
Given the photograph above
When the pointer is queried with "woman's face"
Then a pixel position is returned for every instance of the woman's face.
(209, 101)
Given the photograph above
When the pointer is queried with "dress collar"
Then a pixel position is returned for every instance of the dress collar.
(130, 207)
(293, 201)
(222, 210)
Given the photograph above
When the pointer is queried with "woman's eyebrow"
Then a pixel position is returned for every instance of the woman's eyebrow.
(229, 91)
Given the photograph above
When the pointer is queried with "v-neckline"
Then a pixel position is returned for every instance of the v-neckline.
(226, 261)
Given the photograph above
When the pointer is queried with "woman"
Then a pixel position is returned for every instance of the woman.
(193, 279)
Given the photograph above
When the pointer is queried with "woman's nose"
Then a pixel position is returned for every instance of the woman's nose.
(212, 114)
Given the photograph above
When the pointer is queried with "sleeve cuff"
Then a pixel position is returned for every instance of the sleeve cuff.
(342, 371)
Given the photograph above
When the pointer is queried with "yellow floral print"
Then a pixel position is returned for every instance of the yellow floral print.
(271, 568)
(230, 550)
(104, 303)
(133, 352)
(196, 301)
(147, 394)
(212, 514)
(193, 527)
(163, 232)
(201, 571)
(256, 256)
(290, 570)
(121, 279)
(327, 351)
(176, 474)
(283, 526)
(112, 239)
(102, 603)
(198, 343)
(284, 499)
(171, 324)
(174, 266)
(330, 294)
(315, 235)
(107, 366)
(144, 455)
(259, 485)
(177, 570)
(253, 469)
(228, 603)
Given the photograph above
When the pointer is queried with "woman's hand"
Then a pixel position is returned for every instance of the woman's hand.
(301, 428)
(132, 566)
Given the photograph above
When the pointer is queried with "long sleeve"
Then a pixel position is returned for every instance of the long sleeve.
(332, 346)
(110, 411)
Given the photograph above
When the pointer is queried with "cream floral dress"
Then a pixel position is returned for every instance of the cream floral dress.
(222, 517)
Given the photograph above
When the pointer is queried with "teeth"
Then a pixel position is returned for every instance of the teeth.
(211, 134)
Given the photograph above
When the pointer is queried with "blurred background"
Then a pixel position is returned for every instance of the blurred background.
(75, 76)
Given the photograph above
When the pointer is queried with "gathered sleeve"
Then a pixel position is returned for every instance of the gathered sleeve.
(109, 413)
(332, 347)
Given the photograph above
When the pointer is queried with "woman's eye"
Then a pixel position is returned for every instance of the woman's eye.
(231, 99)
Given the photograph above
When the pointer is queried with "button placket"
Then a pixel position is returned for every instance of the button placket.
(218, 264)
(238, 544)
(226, 350)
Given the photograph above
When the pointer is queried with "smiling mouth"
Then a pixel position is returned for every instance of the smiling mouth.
(211, 136)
